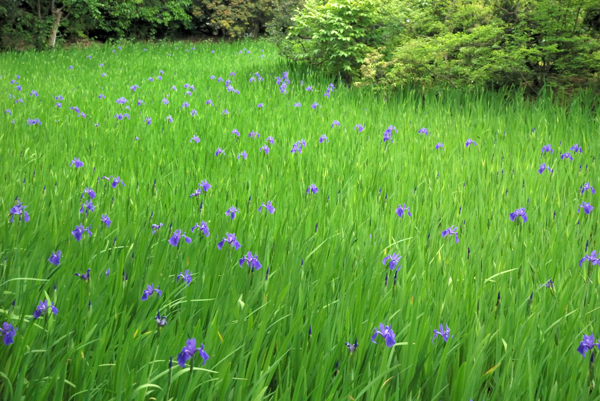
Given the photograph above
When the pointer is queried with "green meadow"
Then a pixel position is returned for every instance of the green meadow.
(511, 337)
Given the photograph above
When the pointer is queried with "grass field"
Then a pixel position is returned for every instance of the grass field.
(280, 332)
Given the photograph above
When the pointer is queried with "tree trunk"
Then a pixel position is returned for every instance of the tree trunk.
(57, 13)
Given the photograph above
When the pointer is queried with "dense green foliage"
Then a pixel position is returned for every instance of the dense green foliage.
(29, 23)
(323, 252)
(458, 43)
(383, 44)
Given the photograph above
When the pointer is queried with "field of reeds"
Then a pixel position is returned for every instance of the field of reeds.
(327, 212)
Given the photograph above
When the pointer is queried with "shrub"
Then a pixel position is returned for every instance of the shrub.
(490, 44)
(336, 35)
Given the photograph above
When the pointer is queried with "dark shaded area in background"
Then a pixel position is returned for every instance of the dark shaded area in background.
(382, 44)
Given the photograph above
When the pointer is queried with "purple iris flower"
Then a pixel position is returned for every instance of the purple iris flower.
(120, 116)
(323, 138)
(148, 120)
(452, 230)
(204, 185)
(43, 309)
(387, 134)
(161, 321)
(203, 227)
(543, 167)
(253, 134)
(394, 261)
(587, 208)
(185, 104)
(33, 93)
(121, 100)
(297, 104)
(315, 104)
(209, 102)
(55, 258)
(309, 88)
(359, 127)
(243, 154)
(387, 333)
(230, 239)
(174, 88)
(155, 227)
(470, 142)
(9, 332)
(78, 163)
(165, 101)
(576, 148)
(236, 132)
(592, 258)
(352, 347)
(187, 277)
(219, 152)
(401, 209)
(188, 352)
(444, 333)
(87, 207)
(265, 149)
(518, 213)
(169, 119)
(174, 240)
(566, 156)
(90, 192)
(268, 206)
(297, 147)
(79, 230)
(549, 284)
(439, 145)
(140, 102)
(336, 123)
(35, 121)
(270, 139)
(312, 188)
(85, 276)
(252, 261)
(587, 187)
(423, 131)
(149, 291)
(134, 88)
(225, 112)
(547, 148)
(195, 138)
(587, 344)
(260, 106)
(115, 181)
(231, 212)
(105, 220)
(18, 210)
